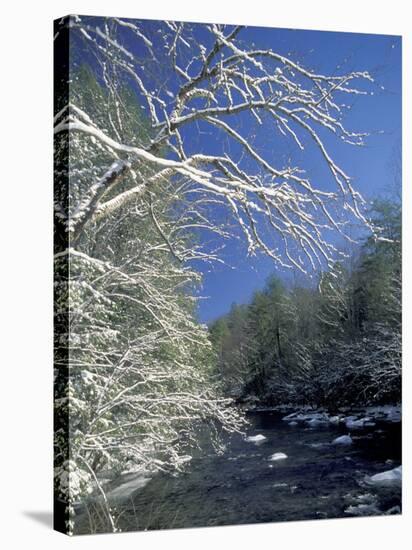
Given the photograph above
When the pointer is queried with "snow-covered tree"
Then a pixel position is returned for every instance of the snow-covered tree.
(134, 375)
(166, 133)
(196, 80)
(340, 341)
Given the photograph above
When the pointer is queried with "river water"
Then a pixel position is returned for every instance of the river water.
(317, 480)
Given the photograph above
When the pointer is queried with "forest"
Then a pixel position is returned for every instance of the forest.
(329, 344)
(142, 199)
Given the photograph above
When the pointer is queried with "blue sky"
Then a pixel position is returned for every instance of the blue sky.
(370, 167)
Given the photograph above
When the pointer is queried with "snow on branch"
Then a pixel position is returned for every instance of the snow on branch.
(216, 79)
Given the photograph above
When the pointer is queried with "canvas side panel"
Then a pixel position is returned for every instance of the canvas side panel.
(61, 277)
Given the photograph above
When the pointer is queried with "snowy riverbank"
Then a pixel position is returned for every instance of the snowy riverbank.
(352, 417)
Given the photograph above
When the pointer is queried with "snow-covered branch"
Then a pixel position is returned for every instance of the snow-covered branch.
(216, 79)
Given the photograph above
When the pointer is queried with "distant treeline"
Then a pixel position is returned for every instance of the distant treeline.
(338, 343)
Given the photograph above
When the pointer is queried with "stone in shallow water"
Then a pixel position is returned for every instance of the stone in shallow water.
(363, 510)
(343, 440)
(388, 478)
(256, 438)
(317, 445)
(353, 423)
(362, 505)
(278, 456)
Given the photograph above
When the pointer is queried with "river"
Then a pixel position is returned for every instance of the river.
(317, 480)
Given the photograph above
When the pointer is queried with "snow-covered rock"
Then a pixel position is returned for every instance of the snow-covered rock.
(256, 438)
(278, 456)
(313, 418)
(354, 423)
(317, 419)
(290, 416)
(366, 498)
(389, 478)
(362, 505)
(361, 418)
(351, 422)
(343, 440)
(318, 445)
(388, 413)
(363, 510)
